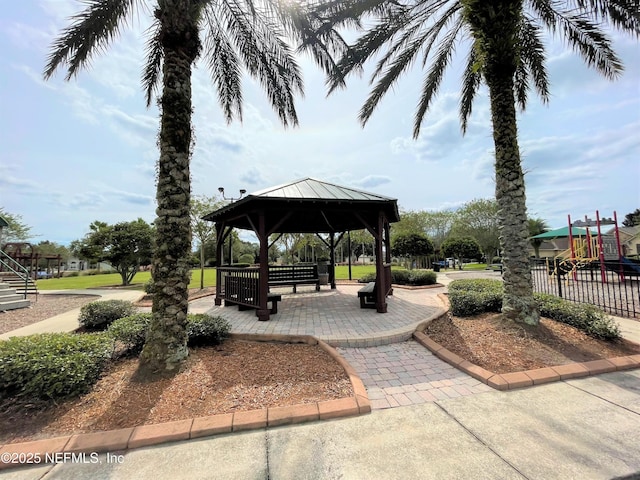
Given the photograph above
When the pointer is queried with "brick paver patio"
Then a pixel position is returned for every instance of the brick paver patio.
(395, 370)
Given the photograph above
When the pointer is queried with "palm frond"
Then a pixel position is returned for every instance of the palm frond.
(471, 80)
(436, 72)
(265, 55)
(622, 14)
(91, 30)
(532, 55)
(593, 44)
(224, 67)
(153, 67)
(367, 46)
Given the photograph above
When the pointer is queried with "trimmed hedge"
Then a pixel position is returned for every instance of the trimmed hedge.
(131, 331)
(51, 366)
(585, 317)
(99, 315)
(405, 277)
(202, 329)
(473, 297)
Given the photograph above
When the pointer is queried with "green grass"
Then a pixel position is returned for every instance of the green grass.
(474, 266)
(113, 279)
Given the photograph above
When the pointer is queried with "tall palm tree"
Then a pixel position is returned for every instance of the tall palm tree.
(231, 36)
(505, 51)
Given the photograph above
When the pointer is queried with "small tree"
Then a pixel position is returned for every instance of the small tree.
(202, 230)
(632, 219)
(536, 227)
(462, 247)
(412, 246)
(15, 230)
(125, 246)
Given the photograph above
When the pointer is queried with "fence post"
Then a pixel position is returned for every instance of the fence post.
(558, 275)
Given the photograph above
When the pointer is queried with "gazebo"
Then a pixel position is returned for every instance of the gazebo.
(304, 206)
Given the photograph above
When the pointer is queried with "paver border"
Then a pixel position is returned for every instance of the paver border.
(525, 378)
(38, 451)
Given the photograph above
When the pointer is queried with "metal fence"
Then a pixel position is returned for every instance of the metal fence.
(612, 286)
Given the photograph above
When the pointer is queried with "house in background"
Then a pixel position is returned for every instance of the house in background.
(629, 241)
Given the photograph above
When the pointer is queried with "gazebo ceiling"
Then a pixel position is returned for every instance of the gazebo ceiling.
(307, 206)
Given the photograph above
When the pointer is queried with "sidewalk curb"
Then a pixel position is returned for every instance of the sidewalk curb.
(38, 451)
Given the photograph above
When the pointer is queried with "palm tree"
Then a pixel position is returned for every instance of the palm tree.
(536, 227)
(231, 36)
(505, 51)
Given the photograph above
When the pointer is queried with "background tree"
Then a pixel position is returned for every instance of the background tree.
(461, 248)
(479, 219)
(536, 227)
(632, 219)
(233, 37)
(438, 226)
(202, 230)
(361, 243)
(414, 246)
(16, 230)
(507, 53)
(126, 246)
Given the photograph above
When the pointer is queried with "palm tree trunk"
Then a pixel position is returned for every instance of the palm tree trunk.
(166, 344)
(495, 25)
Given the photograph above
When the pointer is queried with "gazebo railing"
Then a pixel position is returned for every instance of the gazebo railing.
(239, 285)
(387, 279)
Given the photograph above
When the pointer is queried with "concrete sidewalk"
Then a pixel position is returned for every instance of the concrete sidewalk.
(587, 428)
(68, 321)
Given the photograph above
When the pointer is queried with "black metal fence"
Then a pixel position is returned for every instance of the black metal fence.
(612, 286)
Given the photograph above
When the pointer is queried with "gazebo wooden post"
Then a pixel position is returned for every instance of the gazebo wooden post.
(381, 294)
(263, 281)
(332, 260)
(219, 242)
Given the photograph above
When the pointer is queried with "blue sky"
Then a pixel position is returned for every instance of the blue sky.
(74, 152)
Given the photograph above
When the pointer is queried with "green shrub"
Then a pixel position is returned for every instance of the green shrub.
(585, 317)
(131, 331)
(99, 315)
(476, 285)
(71, 274)
(472, 297)
(421, 277)
(246, 258)
(149, 286)
(404, 277)
(51, 366)
(203, 329)
(367, 277)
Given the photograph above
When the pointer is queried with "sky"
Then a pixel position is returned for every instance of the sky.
(85, 150)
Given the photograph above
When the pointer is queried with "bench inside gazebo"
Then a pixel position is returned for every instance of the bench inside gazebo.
(303, 206)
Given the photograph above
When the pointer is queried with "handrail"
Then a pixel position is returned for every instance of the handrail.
(24, 276)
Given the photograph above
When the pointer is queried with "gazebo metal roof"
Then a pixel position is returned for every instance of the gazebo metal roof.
(308, 206)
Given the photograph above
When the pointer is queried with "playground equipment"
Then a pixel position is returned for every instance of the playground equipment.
(593, 251)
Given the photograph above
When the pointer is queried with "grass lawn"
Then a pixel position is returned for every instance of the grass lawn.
(113, 279)
(474, 266)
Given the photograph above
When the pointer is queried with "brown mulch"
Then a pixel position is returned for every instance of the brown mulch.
(232, 377)
(502, 346)
(43, 307)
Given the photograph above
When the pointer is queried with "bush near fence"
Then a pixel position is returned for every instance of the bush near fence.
(473, 297)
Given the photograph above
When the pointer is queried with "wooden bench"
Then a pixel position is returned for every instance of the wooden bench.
(367, 295)
(274, 298)
(294, 275)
